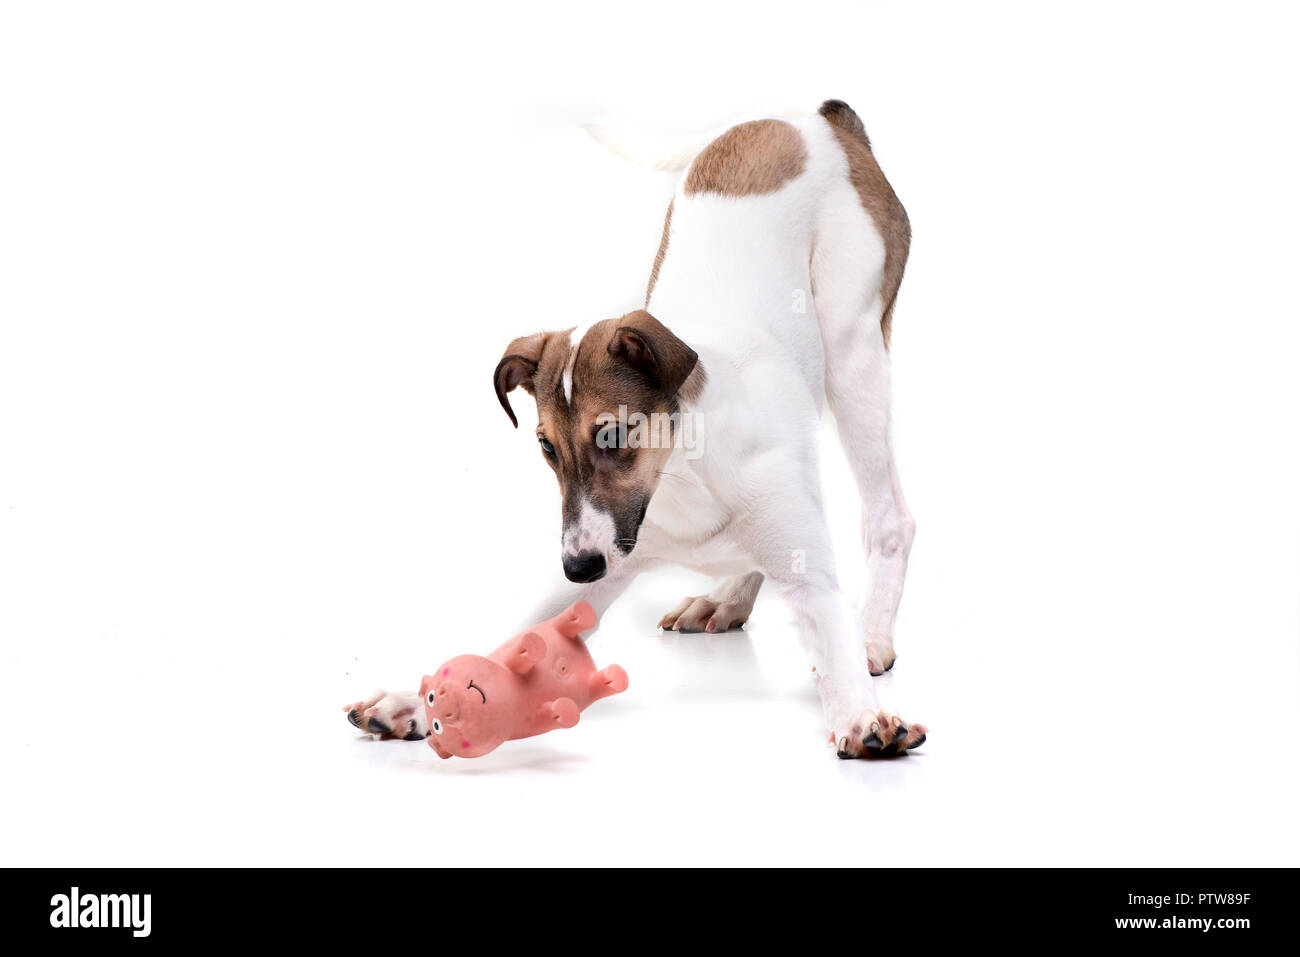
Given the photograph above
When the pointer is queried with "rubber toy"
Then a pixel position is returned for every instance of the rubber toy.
(537, 681)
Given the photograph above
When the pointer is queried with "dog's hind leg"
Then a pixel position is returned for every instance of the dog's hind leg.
(791, 543)
(857, 387)
(851, 295)
(727, 606)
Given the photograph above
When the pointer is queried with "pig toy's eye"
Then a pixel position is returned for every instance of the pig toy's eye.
(437, 725)
(429, 698)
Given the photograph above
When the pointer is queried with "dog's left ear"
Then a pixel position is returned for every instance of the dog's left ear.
(517, 368)
(646, 344)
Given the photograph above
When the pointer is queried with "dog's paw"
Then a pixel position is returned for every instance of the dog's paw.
(880, 655)
(396, 716)
(878, 734)
(698, 613)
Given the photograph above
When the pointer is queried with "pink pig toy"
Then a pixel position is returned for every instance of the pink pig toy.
(535, 682)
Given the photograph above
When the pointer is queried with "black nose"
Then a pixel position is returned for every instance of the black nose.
(584, 567)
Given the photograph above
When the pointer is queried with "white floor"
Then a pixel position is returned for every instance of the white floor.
(259, 264)
(1043, 751)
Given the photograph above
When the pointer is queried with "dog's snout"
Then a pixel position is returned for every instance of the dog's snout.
(584, 567)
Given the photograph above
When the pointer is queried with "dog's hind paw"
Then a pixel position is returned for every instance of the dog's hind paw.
(880, 655)
(878, 734)
(396, 716)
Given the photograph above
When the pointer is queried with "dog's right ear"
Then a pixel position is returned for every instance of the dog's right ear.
(516, 368)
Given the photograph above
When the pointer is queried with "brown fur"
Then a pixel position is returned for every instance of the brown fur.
(633, 361)
(878, 199)
(659, 256)
(749, 159)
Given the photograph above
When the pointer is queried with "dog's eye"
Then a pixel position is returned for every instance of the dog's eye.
(436, 726)
(429, 698)
(547, 447)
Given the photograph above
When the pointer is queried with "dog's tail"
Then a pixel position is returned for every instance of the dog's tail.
(672, 152)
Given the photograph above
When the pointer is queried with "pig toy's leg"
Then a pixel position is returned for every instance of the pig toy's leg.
(609, 680)
(575, 619)
(560, 713)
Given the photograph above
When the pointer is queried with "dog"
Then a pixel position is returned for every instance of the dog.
(687, 431)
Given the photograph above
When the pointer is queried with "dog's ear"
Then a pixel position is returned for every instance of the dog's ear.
(516, 368)
(647, 345)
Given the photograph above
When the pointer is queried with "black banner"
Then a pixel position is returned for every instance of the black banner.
(375, 909)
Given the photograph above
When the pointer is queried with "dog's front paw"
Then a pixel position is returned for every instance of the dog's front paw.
(399, 715)
(877, 734)
(701, 613)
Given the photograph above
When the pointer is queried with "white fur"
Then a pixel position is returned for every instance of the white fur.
(593, 531)
(575, 338)
(779, 294)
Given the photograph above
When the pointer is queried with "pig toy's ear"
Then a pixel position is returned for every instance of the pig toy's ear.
(576, 619)
(529, 648)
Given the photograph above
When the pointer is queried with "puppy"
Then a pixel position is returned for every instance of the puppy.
(686, 431)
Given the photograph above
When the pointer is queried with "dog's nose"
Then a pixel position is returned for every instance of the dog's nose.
(584, 566)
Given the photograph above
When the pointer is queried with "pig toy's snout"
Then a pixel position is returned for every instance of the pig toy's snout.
(446, 703)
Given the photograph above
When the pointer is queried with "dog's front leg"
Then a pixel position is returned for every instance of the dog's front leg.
(598, 594)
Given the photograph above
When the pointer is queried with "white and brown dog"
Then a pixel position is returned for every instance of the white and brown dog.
(687, 432)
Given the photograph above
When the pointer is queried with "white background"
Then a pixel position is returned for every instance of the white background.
(258, 260)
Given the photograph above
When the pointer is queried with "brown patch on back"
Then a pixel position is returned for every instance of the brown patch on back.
(878, 199)
(748, 160)
(659, 256)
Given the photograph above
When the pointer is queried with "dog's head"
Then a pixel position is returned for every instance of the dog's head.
(608, 401)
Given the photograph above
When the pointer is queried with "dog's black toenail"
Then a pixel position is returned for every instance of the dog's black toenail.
(916, 744)
(843, 755)
(889, 667)
(354, 717)
(378, 727)
(872, 742)
(412, 733)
